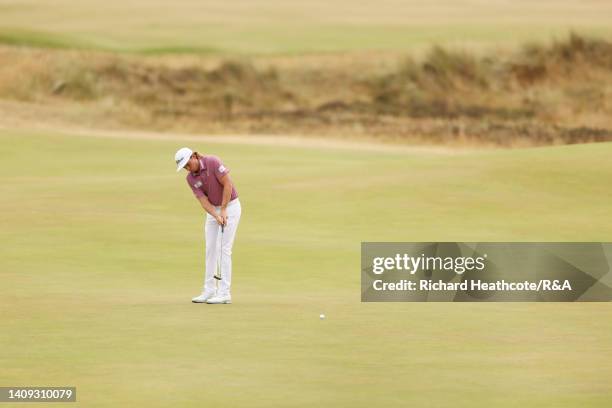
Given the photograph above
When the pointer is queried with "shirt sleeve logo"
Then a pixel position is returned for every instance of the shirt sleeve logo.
(222, 169)
(198, 184)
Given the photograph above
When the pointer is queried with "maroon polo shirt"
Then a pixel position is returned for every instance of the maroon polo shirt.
(207, 180)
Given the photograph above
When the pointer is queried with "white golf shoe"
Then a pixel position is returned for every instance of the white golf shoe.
(203, 298)
(219, 300)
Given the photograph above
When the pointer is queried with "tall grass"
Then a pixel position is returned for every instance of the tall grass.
(559, 92)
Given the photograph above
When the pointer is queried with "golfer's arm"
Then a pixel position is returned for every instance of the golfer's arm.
(226, 181)
(207, 205)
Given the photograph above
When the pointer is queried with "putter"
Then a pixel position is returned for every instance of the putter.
(218, 271)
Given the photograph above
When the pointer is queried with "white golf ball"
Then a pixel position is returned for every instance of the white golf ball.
(321, 316)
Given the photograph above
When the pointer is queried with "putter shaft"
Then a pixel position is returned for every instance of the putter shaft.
(218, 275)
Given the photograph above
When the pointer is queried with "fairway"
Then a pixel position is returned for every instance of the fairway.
(102, 250)
(292, 27)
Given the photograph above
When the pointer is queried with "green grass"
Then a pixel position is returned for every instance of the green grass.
(304, 39)
(281, 27)
(102, 250)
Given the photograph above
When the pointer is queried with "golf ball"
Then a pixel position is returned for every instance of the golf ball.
(321, 316)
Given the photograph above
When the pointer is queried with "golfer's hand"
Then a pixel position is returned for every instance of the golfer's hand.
(224, 216)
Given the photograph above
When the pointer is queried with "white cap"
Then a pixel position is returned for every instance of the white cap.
(181, 157)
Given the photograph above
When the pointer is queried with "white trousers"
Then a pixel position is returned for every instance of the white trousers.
(219, 249)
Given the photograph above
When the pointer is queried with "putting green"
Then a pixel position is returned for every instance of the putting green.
(102, 250)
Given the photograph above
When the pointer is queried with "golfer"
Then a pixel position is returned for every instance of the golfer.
(211, 184)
